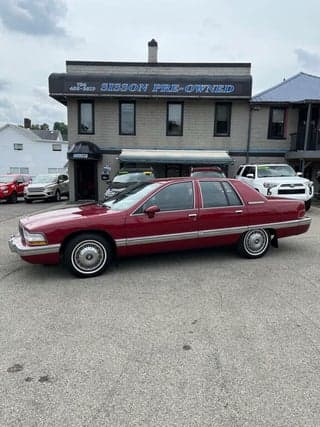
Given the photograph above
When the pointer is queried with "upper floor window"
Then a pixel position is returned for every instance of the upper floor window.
(174, 118)
(277, 123)
(16, 170)
(18, 147)
(222, 119)
(127, 122)
(86, 117)
(56, 147)
(55, 170)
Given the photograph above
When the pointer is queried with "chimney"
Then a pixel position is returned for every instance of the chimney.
(152, 51)
(27, 123)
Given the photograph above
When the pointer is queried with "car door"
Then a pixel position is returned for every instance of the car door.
(223, 215)
(63, 184)
(173, 227)
(20, 184)
(248, 175)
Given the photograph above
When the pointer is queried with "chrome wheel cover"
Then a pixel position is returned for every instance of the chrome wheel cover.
(256, 242)
(89, 256)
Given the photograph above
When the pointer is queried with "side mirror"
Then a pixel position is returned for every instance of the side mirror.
(151, 210)
(299, 174)
(250, 175)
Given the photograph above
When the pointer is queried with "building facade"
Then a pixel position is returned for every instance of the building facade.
(169, 116)
(285, 125)
(31, 152)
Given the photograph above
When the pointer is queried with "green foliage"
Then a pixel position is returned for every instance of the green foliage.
(63, 128)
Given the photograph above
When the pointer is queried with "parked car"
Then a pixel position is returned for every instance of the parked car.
(207, 171)
(47, 187)
(277, 180)
(126, 177)
(12, 186)
(159, 216)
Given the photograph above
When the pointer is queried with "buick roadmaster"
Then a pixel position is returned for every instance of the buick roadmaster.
(161, 215)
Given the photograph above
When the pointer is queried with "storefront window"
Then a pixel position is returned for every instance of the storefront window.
(222, 119)
(127, 118)
(277, 122)
(86, 117)
(174, 118)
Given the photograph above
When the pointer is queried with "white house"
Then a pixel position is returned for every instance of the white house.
(31, 152)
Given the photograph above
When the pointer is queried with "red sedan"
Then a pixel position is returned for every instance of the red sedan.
(159, 216)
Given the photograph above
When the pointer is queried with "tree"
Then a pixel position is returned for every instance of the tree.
(63, 128)
(44, 126)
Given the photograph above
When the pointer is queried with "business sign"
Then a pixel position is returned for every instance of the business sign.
(150, 86)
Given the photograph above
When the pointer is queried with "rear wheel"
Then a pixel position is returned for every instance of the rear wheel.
(254, 243)
(87, 255)
(13, 198)
(57, 196)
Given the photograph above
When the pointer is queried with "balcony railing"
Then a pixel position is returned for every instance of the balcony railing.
(297, 141)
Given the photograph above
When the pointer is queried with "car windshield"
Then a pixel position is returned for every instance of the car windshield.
(44, 179)
(133, 177)
(211, 174)
(129, 197)
(6, 179)
(275, 170)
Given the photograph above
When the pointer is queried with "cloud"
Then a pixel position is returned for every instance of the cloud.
(4, 84)
(8, 112)
(34, 17)
(308, 60)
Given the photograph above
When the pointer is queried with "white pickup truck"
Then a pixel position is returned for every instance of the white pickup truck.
(277, 180)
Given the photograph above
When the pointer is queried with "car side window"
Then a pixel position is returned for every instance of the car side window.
(232, 196)
(218, 194)
(249, 169)
(172, 198)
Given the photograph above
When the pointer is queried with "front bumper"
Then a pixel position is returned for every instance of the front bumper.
(16, 245)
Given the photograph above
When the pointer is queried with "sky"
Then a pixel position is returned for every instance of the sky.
(37, 37)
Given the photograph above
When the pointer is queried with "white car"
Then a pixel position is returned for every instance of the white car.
(47, 187)
(277, 180)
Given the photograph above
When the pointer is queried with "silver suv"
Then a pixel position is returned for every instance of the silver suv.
(47, 187)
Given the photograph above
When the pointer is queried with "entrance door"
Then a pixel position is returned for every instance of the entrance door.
(86, 187)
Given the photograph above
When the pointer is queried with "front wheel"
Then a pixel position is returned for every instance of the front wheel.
(254, 243)
(87, 255)
(307, 204)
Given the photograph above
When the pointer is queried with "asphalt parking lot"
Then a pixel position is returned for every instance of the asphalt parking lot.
(187, 339)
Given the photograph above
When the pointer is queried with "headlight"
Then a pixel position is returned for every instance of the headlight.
(269, 185)
(34, 239)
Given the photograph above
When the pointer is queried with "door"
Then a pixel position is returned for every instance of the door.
(222, 215)
(173, 227)
(86, 180)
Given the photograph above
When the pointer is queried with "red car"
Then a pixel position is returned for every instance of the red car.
(159, 216)
(207, 172)
(12, 186)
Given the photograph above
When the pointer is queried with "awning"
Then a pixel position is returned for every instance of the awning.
(176, 156)
(84, 150)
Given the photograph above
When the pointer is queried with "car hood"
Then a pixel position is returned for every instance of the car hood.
(40, 184)
(285, 179)
(81, 213)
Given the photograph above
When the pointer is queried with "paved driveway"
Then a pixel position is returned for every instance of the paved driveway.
(187, 339)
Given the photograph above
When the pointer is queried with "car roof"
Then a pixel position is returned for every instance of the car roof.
(206, 168)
